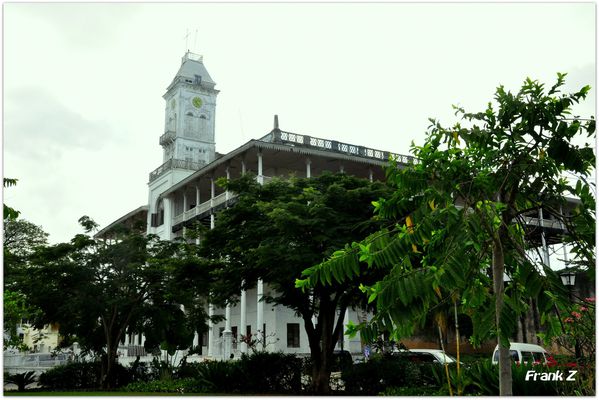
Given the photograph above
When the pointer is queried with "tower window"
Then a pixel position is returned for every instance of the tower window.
(203, 116)
(197, 80)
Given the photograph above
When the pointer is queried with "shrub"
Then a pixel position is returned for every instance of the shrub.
(275, 373)
(261, 372)
(380, 372)
(82, 375)
(220, 376)
(21, 380)
(482, 378)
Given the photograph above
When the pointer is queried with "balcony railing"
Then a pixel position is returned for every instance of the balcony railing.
(339, 147)
(168, 137)
(203, 207)
(545, 223)
(172, 164)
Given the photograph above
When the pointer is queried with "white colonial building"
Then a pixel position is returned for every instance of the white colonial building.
(182, 192)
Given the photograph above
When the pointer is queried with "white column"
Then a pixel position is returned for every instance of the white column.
(563, 226)
(260, 310)
(228, 177)
(314, 316)
(184, 209)
(543, 241)
(242, 167)
(341, 168)
(168, 217)
(243, 321)
(197, 207)
(260, 177)
(308, 168)
(370, 174)
(212, 191)
(227, 334)
(197, 195)
(345, 337)
(210, 331)
(196, 339)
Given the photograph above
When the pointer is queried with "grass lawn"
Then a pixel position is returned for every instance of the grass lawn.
(107, 393)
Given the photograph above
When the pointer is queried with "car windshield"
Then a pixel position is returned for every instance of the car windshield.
(513, 353)
(446, 357)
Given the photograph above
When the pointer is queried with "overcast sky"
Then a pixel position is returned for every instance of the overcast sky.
(83, 83)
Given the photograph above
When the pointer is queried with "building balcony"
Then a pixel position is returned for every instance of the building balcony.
(167, 138)
(214, 202)
(174, 164)
(202, 208)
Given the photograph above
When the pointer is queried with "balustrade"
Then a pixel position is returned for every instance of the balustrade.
(343, 147)
(203, 207)
(168, 137)
(175, 163)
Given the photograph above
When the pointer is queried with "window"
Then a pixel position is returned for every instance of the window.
(234, 334)
(513, 354)
(197, 80)
(293, 335)
(205, 339)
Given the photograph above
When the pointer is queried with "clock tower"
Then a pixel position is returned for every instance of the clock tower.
(188, 138)
(190, 103)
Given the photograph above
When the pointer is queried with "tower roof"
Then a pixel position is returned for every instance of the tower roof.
(191, 68)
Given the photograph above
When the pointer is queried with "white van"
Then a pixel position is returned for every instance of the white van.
(525, 353)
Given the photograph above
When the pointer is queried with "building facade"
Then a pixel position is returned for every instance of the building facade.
(183, 191)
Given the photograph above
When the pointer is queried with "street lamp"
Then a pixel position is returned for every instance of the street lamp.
(568, 278)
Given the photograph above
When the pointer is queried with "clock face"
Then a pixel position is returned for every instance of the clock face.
(197, 102)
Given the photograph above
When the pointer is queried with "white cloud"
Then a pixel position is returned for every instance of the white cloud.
(37, 125)
(83, 81)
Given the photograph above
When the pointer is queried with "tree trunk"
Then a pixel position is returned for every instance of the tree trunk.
(321, 372)
(505, 366)
(108, 362)
(322, 342)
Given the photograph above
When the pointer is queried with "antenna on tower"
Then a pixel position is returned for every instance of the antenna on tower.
(186, 40)
(195, 38)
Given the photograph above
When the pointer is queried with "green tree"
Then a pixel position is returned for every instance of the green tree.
(275, 231)
(460, 211)
(21, 238)
(96, 290)
(9, 212)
